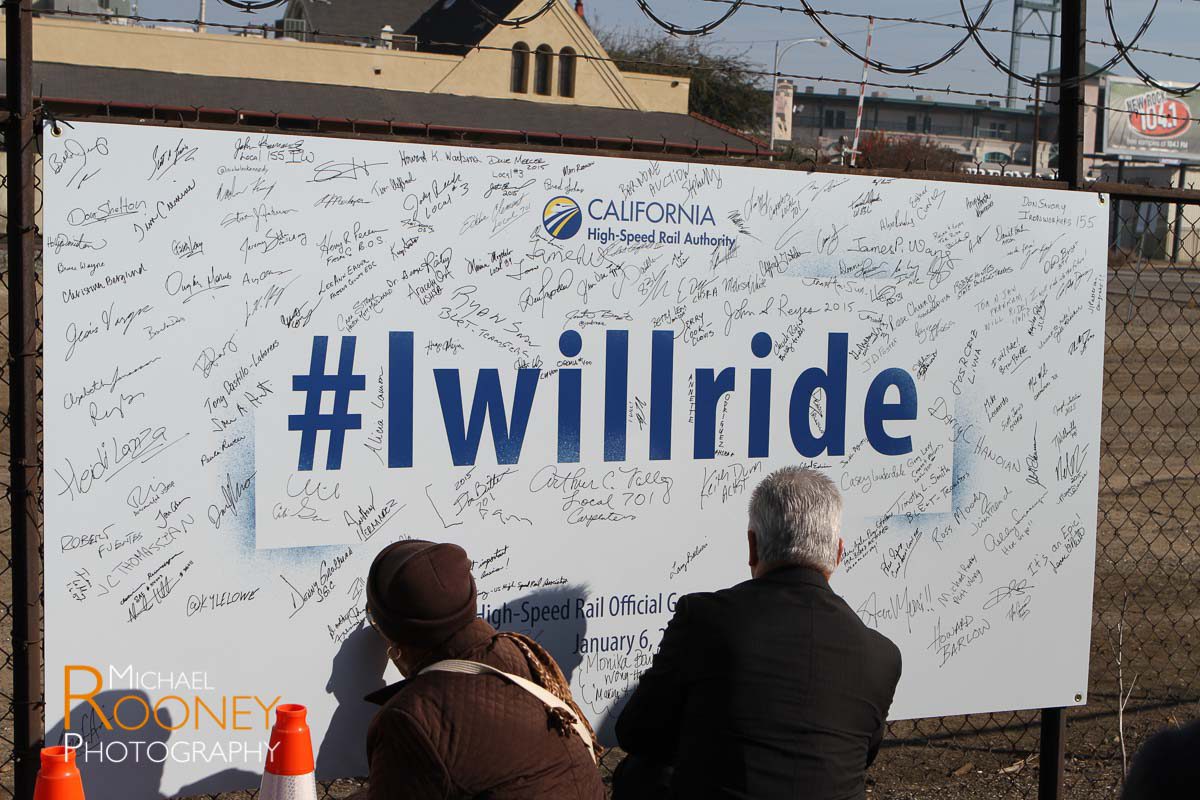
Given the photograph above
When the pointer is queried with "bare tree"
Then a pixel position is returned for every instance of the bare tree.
(1122, 696)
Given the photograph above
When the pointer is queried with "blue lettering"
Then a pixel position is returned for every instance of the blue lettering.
(662, 369)
(570, 399)
(833, 382)
(616, 393)
(876, 411)
(400, 399)
(489, 402)
(760, 399)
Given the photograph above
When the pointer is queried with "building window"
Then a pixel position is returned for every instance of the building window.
(912, 125)
(520, 68)
(927, 125)
(295, 28)
(566, 72)
(543, 67)
(996, 158)
(835, 119)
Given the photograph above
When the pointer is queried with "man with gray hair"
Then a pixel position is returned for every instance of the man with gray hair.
(773, 688)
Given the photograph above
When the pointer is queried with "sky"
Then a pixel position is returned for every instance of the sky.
(754, 31)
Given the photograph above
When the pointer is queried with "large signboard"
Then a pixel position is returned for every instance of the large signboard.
(1142, 121)
(268, 356)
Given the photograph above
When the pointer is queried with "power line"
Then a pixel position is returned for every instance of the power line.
(636, 63)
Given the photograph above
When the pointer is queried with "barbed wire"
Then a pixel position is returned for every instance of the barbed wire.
(253, 6)
(948, 90)
(1124, 54)
(1000, 65)
(1045, 83)
(973, 28)
(879, 66)
(703, 30)
(517, 22)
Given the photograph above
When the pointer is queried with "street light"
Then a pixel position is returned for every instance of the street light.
(775, 85)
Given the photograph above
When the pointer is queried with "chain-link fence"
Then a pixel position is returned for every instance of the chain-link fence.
(1145, 664)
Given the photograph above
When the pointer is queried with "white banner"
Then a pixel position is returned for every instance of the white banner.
(268, 356)
(781, 120)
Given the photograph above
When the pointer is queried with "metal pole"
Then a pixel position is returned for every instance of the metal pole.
(1049, 44)
(774, 91)
(1014, 53)
(1072, 61)
(25, 467)
(862, 93)
(1037, 128)
(1175, 243)
(1115, 227)
(1053, 754)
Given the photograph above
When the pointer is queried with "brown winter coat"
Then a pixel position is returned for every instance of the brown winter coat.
(445, 736)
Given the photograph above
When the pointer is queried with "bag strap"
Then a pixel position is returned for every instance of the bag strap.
(548, 699)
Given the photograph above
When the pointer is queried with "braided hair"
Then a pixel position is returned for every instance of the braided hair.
(547, 674)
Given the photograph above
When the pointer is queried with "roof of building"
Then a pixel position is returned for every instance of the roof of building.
(136, 87)
(361, 18)
(463, 22)
(1088, 69)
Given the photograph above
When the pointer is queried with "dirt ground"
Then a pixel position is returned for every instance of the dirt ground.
(1148, 559)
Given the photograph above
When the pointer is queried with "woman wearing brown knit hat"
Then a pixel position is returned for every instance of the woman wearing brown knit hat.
(481, 713)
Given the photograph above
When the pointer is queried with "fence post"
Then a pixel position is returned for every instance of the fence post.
(22, 360)
(1053, 754)
(1072, 66)
(1178, 238)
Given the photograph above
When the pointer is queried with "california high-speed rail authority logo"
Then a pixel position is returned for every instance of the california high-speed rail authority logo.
(562, 217)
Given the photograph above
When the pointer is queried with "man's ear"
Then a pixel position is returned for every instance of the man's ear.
(753, 541)
(841, 551)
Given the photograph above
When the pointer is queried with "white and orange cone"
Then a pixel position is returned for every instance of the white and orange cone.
(290, 772)
(58, 778)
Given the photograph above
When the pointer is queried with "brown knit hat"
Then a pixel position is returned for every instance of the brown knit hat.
(421, 593)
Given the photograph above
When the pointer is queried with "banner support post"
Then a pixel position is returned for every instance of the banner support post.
(1052, 759)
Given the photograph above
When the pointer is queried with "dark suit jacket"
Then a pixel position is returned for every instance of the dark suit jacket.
(1167, 767)
(768, 690)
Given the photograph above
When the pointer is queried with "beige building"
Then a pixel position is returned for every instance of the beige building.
(554, 58)
(449, 63)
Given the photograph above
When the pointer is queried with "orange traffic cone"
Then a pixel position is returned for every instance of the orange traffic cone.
(290, 771)
(58, 778)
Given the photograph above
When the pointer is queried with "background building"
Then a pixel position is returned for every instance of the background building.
(428, 62)
(985, 132)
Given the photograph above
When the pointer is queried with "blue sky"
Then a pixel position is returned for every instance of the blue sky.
(755, 30)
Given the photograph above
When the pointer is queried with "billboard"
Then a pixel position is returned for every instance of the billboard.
(1148, 123)
(267, 356)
